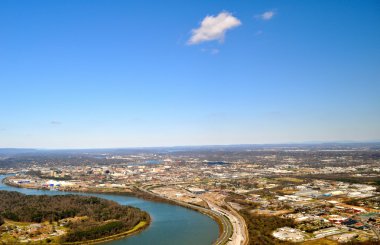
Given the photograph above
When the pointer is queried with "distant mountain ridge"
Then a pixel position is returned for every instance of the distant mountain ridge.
(304, 145)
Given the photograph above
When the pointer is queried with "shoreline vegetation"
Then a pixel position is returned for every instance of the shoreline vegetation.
(66, 219)
(138, 193)
(142, 225)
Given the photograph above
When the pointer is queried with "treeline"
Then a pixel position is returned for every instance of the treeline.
(344, 178)
(260, 227)
(39, 174)
(103, 217)
(362, 243)
(95, 232)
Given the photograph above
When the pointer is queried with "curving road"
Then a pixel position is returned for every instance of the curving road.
(227, 231)
(227, 228)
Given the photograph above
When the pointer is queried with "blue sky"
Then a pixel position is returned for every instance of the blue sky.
(82, 74)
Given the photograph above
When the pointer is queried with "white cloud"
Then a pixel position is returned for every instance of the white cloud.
(259, 32)
(213, 51)
(214, 28)
(266, 15)
(55, 122)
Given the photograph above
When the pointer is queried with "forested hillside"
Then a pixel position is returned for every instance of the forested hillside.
(100, 217)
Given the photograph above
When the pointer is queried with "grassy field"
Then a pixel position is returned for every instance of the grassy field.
(322, 241)
(290, 179)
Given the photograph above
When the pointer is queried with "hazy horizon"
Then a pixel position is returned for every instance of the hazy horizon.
(284, 144)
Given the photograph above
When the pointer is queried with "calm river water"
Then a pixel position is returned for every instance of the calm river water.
(170, 224)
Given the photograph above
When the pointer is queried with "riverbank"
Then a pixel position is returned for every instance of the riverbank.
(142, 225)
(143, 194)
(42, 231)
(146, 193)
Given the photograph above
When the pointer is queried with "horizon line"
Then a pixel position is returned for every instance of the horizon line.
(206, 145)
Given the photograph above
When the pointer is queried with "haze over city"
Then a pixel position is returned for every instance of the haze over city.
(198, 122)
(106, 74)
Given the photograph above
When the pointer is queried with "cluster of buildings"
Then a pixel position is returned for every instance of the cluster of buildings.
(293, 188)
(16, 232)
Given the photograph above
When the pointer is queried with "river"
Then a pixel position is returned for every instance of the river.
(171, 224)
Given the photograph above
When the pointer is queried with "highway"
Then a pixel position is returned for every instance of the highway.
(227, 228)
(240, 226)
(375, 231)
(225, 236)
